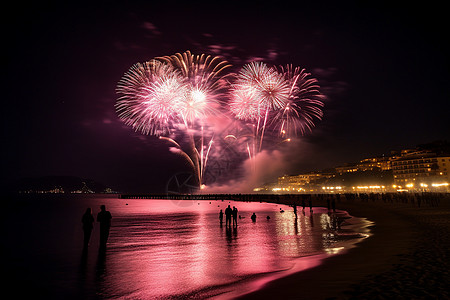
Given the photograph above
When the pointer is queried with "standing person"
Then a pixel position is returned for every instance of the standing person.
(104, 217)
(221, 217)
(228, 213)
(253, 217)
(235, 216)
(88, 225)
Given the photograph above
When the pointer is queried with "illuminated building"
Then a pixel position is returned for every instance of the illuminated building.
(297, 183)
(382, 163)
(349, 168)
(421, 170)
(425, 168)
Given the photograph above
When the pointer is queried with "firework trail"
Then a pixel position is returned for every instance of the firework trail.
(202, 70)
(258, 90)
(183, 95)
(207, 78)
(283, 98)
(174, 93)
(304, 104)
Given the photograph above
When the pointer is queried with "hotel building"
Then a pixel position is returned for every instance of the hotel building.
(421, 170)
(297, 183)
(412, 170)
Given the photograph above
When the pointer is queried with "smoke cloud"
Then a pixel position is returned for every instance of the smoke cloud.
(262, 168)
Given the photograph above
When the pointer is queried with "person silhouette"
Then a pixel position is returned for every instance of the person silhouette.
(253, 217)
(104, 217)
(235, 216)
(88, 225)
(221, 217)
(228, 213)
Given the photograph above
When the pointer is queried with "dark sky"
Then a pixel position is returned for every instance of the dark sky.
(384, 69)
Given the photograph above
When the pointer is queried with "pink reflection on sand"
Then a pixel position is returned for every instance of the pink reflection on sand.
(159, 249)
(301, 264)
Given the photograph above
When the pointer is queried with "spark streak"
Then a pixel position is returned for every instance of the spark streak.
(180, 94)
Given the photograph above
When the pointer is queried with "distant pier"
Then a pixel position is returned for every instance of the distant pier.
(432, 199)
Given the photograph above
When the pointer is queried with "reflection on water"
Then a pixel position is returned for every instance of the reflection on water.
(159, 250)
(168, 249)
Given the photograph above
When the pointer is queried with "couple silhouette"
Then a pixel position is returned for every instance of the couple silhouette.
(104, 218)
(230, 213)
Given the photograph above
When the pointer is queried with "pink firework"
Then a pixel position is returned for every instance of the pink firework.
(206, 76)
(257, 91)
(181, 95)
(245, 105)
(151, 95)
(269, 87)
(304, 105)
(197, 105)
(174, 93)
(202, 71)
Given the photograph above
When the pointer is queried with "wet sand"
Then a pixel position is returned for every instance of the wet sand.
(407, 257)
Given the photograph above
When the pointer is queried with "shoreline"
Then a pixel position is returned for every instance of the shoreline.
(360, 227)
(405, 256)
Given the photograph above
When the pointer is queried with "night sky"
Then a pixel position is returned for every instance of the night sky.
(383, 68)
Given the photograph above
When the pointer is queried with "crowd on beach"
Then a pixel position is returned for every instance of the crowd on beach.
(294, 200)
(419, 274)
(231, 216)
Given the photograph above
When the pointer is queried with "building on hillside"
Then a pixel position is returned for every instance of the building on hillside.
(382, 163)
(297, 183)
(422, 170)
(348, 168)
(419, 169)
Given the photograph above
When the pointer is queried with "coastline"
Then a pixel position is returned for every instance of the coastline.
(406, 256)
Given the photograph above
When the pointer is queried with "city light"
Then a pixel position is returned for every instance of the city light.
(439, 184)
(332, 188)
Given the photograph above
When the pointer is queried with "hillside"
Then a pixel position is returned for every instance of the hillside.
(58, 184)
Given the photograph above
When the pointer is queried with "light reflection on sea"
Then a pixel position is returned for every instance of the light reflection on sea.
(170, 249)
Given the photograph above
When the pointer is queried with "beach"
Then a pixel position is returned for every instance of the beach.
(161, 248)
(407, 257)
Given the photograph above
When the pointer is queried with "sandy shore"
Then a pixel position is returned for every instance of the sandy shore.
(407, 257)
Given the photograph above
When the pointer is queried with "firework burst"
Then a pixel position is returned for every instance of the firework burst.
(269, 87)
(207, 79)
(151, 95)
(304, 104)
(183, 94)
(174, 93)
(203, 71)
(245, 105)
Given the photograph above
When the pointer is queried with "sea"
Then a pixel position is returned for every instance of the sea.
(162, 249)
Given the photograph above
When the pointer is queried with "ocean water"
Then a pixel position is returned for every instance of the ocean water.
(162, 249)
